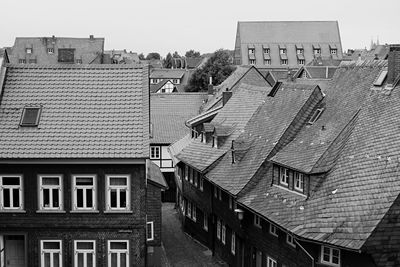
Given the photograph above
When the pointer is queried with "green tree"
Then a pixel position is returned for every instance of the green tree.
(153, 55)
(192, 53)
(219, 67)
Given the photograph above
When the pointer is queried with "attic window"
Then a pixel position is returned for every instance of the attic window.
(50, 50)
(30, 116)
(316, 115)
(381, 78)
(29, 50)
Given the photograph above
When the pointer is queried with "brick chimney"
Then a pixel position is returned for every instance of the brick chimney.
(91, 37)
(394, 63)
(226, 95)
(210, 87)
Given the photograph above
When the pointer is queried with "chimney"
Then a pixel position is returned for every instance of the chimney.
(210, 87)
(226, 95)
(394, 64)
(91, 37)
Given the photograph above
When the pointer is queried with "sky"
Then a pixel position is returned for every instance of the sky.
(180, 25)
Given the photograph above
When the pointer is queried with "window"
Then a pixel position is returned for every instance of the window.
(194, 212)
(299, 51)
(282, 51)
(186, 172)
(118, 253)
(66, 55)
(201, 185)
(205, 222)
(84, 253)
(215, 141)
(84, 192)
(218, 229)
(223, 233)
(316, 115)
(271, 262)
(215, 191)
(219, 194)
(266, 50)
(28, 50)
(167, 88)
(284, 62)
(50, 193)
(252, 61)
(252, 51)
(150, 231)
(118, 192)
(32, 61)
(30, 116)
(195, 177)
(176, 81)
(189, 209)
(330, 256)
(11, 193)
(230, 202)
(284, 176)
(22, 61)
(51, 253)
(299, 181)
(183, 206)
(333, 51)
(191, 175)
(153, 81)
(267, 61)
(273, 230)
(290, 240)
(300, 61)
(50, 50)
(317, 51)
(78, 61)
(257, 220)
(233, 243)
(154, 152)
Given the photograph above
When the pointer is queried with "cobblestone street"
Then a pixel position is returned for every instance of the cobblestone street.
(180, 249)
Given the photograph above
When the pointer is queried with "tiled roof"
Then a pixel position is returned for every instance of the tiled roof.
(288, 34)
(316, 72)
(88, 112)
(155, 175)
(352, 198)
(193, 62)
(342, 101)
(255, 144)
(175, 148)
(167, 74)
(89, 50)
(169, 112)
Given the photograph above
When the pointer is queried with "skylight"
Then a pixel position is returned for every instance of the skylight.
(381, 78)
(316, 115)
(30, 116)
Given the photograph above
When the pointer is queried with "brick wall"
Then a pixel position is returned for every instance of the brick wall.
(153, 207)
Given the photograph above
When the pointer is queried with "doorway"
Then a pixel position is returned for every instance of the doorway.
(14, 250)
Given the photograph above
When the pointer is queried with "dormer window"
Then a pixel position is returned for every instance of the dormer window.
(176, 81)
(300, 61)
(153, 81)
(30, 116)
(317, 51)
(282, 51)
(266, 50)
(29, 50)
(215, 141)
(252, 51)
(284, 176)
(257, 221)
(299, 51)
(299, 181)
(283, 61)
(267, 61)
(333, 51)
(316, 115)
(252, 61)
(50, 50)
(330, 256)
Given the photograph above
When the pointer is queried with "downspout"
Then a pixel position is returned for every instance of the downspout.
(305, 251)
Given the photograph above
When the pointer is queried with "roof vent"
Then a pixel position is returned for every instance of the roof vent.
(30, 116)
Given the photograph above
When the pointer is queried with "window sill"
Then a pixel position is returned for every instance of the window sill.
(12, 211)
(84, 211)
(118, 211)
(50, 211)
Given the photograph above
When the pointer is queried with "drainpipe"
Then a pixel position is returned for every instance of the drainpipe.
(305, 251)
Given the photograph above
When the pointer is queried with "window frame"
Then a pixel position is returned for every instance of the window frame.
(284, 62)
(11, 188)
(271, 262)
(290, 240)
(41, 188)
(205, 222)
(218, 229)
(50, 50)
(201, 183)
(331, 249)
(273, 230)
(39, 113)
(252, 51)
(333, 51)
(75, 189)
(267, 61)
(257, 221)
(43, 251)
(252, 61)
(119, 251)
(85, 251)
(284, 173)
(156, 148)
(298, 175)
(151, 238)
(317, 113)
(29, 50)
(223, 233)
(109, 187)
(233, 243)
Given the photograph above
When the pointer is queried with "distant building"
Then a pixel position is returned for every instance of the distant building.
(286, 44)
(57, 50)
(168, 80)
(3, 56)
(376, 52)
(120, 57)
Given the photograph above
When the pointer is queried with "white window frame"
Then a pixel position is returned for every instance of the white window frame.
(257, 221)
(273, 230)
(299, 177)
(215, 191)
(271, 262)
(29, 50)
(157, 152)
(284, 176)
(316, 115)
(266, 51)
(194, 212)
(119, 188)
(50, 50)
(220, 194)
(186, 172)
(330, 262)
(50, 188)
(299, 51)
(333, 51)
(205, 222)
(189, 209)
(201, 183)
(118, 251)
(252, 51)
(301, 61)
(151, 224)
(267, 61)
(282, 51)
(11, 188)
(75, 189)
(290, 240)
(284, 62)
(43, 251)
(223, 234)
(218, 229)
(85, 252)
(317, 51)
(230, 202)
(252, 61)
(233, 243)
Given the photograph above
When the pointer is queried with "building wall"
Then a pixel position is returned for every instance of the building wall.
(68, 225)
(153, 209)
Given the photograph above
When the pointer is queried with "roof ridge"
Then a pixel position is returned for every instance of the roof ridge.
(76, 66)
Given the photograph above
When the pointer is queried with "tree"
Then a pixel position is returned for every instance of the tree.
(192, 53)
(176, 55)
(167, 62)
(219, 67)
(141, 56)
(153, 55)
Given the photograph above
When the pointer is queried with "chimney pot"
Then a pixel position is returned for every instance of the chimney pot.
(91, 37)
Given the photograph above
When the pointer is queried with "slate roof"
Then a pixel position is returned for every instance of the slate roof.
(175, 148)
(262, 135)
(155, 175)
(316, 72)
(169, 112)
(88, 112)
(89, 50)
(167, 74)
(193, 62)
(352, 198)
(274, 34)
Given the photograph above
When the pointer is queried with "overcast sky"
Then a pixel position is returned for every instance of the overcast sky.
(181, 25)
